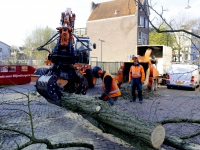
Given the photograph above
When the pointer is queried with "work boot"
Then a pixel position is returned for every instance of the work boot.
(133, 99)
(140, 100)
(111, 101)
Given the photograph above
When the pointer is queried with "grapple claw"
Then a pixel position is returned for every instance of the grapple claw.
(47, 86)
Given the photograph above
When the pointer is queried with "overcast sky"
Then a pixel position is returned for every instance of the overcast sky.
(19, 17)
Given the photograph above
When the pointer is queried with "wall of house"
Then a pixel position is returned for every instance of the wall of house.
(4, 51)
(119, 34)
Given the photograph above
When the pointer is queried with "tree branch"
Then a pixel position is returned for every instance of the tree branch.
(179, 120)
(180, 144)
(55, 146)
(190, 136)
(17, 131)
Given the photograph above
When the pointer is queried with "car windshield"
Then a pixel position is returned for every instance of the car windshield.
(181, 69)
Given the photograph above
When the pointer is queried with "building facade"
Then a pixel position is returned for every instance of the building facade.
(195, 48)
(190, 47)
(117, 27)
(4, 51)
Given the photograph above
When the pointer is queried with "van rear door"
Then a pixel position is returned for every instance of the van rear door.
(181, 75)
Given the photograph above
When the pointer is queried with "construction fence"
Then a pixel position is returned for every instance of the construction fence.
(111, 67)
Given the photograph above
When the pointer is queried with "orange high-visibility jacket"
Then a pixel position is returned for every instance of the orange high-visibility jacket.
(136, 72)
(114, 90)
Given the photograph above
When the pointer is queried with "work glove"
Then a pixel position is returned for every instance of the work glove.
(100, 98)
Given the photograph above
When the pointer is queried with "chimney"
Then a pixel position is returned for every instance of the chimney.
(92, 6)
(116, 12)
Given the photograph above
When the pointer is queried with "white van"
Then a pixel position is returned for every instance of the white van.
(183, 75)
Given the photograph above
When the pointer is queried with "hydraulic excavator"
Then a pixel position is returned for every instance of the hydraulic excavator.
(62, 75)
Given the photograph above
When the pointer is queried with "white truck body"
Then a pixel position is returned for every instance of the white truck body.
(162, 53)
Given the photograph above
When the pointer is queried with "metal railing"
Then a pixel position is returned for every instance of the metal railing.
(111, 67)
(80, 31)
(22, 62)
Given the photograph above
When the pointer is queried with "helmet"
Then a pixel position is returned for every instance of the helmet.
(134, 57)
(95, 71)
(153, 57)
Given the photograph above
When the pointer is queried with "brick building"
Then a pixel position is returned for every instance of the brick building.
(117, 27)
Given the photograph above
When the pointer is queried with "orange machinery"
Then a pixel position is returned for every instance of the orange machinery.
(151, 73)
(69, 69)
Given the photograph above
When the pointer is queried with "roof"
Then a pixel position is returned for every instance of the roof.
(112, 9)
(5, 43)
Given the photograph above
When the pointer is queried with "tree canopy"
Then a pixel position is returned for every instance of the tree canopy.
(37, 38)
(164, 38)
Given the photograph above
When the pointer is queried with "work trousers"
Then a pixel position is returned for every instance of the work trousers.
(136, 83)
(112, 99)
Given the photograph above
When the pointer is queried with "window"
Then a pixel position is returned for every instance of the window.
(0, 49)
(146, 24)
(142, 21)
(12, 69)
(142, 38)
(4, 68)
(24, 68)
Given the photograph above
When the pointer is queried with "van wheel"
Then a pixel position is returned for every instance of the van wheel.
(169, 87)
(155, 85)
(163, 81)
(152, 87)
(194, 88)
(198, 85)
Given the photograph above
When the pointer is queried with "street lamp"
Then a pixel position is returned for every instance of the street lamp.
(101, 47)
(188, 6)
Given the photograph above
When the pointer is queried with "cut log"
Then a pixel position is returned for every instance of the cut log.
(152, 134)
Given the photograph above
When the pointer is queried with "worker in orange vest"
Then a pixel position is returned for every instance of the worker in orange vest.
(136, 79)
(111, 91)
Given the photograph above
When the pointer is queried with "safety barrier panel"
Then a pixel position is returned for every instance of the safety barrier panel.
(111, 67)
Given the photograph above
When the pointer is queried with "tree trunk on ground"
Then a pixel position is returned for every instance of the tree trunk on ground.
(180, 144)
(152, 134)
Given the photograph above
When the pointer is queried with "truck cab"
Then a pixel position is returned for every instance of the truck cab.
(82, 50)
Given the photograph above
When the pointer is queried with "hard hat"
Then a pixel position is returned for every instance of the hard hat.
(134, 57)
(95, 71)
(153, 57)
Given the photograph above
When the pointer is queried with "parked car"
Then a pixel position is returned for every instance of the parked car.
(183, 75)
